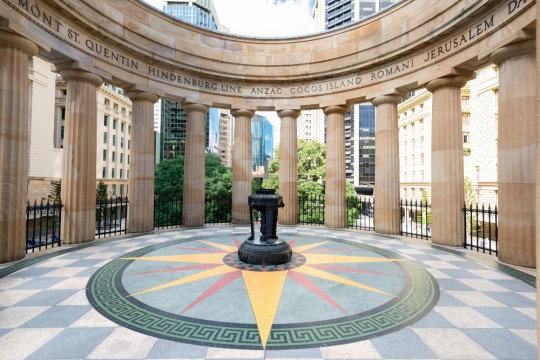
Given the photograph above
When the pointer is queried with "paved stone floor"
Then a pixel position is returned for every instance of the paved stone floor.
(183, 294)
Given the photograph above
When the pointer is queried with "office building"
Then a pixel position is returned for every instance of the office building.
(262, 140)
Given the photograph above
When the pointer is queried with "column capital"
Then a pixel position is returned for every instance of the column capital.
(336, 109)
(526, 47)
(189, 106)
(78, 74)
(17, 41)
(387, 99)
(242, 112)
(288, 113)
(142, 95)
(458, 81)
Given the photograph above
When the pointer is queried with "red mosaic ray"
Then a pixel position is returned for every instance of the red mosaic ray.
(218, 285)
(292, 242)
(343, 268)
(182, 268)
(308, 284)
(206, 250)
(237, 242)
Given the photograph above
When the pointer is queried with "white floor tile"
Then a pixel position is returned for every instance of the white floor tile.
(466, 318)
(475, 298)
(221, 353)
(20, 343)
(358, 350)
(11, 297)
(15, 316)
(483, 285)
(124, 344)
(452, 344)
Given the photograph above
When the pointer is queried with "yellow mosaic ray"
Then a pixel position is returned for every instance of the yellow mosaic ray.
(313, 259)
(308, 270)
(264, 290)
(191, 258)
(299, 249)
(220, 270)
(226, 248)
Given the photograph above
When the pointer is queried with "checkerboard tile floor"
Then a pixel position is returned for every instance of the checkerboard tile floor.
(482, 313)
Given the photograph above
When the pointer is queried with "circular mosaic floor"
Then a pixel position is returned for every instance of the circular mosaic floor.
(197, 291)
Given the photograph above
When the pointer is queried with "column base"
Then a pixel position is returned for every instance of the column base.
(275, 252)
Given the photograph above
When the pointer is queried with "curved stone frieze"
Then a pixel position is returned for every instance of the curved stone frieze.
(128, 43)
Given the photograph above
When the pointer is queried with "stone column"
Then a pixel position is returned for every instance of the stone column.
(288, 166)
(517, 152)
(79, 157)
(242, 172)
(193, 201)
(14, 133)
(141, 178)
(447, 193)
(537, 187)
(335, 206)
(387, 210)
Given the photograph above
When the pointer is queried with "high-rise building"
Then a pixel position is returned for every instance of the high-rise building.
(173, 118)
(360, 121)
(262, 140)
(225, 137)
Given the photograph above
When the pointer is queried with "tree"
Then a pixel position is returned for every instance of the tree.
(56, 191)
(469, 192)
(101, 201)
(311, 180)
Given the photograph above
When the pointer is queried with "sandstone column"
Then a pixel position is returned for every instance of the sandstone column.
(387, 211)
(79, 157)
(288, 166)
(141, 179)
(447, 193)
(193, 201)
(537, 187)
(516, 152)
(335, 206)
(14, 132)
(242, 172)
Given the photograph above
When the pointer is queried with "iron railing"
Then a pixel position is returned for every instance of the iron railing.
(360, 213)
(43, 222)
(311, 210)
(111, 217)
(218, 210)
(167, 211)
(415, 218)
(481, 230)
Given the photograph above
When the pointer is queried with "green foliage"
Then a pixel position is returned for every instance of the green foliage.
(469, 192)
(466, 151)
(56, 191)
(311, 174)
(101, 192)
(169, 178)
(101, 201)
(471, 222)
(424, 215)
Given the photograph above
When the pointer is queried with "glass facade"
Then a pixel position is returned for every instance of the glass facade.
(367, 144)
(262, 142)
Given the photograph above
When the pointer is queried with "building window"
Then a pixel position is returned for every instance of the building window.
(114, 124)
(122, 126)
(128, 159)
(104, 137)
(122, 189)
(121, 158)
(104, 173)
(465, 100)
(114, 189)
(121, 142)
(466, 119)
(105, 120)
(113, 156)
(127, 175)
(114, 140)
(129, 129)
(112, 173)
(477, 172)
(129, 144)
(466, 138)
(104, 155)
(121, 173)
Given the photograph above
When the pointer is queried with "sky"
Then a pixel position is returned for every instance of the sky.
(262, 18)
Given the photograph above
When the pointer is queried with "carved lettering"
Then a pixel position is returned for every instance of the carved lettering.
(514, 5)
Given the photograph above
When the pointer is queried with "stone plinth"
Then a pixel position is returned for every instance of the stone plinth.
(193, 201)
(387, 211)
(79, 157)
(14, 54)
(335, 206)
(517, 153)
(141, 178)
(288, 166)
(447, 177)
(242, 173)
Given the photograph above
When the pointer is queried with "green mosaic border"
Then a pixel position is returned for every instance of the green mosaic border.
(418, 297)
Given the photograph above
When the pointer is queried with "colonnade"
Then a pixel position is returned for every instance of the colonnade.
(517, 156)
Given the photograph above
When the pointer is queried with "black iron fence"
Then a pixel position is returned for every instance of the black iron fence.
(311, 210)
(360, 213)
(218, 210)
(111, 216)
(481, 231)
(167, 211)
(415, 218)
(43, 222)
